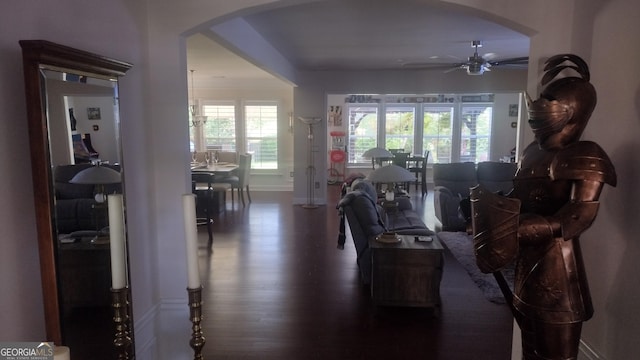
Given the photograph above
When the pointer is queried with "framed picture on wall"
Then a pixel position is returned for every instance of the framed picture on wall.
(513, 110)
(335, 115)
(93, 113)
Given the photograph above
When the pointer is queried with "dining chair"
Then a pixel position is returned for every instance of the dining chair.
(400, 159)
(244, 173)
(228, 157)
(239, 180)
(418, 166)
(204, 186)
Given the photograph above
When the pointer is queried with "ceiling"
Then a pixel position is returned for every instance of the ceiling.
(359, 35)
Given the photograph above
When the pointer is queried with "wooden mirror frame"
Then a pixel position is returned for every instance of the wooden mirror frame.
(35, 55)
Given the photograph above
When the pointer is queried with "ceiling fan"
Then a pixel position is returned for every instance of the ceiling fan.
(476, 65)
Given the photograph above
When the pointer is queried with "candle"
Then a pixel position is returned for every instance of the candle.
(191, 235)
(116, 241)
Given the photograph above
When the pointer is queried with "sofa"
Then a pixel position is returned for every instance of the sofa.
(362, 218)
(75, 206)
(453, 181)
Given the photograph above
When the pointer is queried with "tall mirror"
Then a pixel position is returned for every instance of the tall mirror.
(72, 110)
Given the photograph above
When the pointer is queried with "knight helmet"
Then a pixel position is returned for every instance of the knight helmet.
(560, 115)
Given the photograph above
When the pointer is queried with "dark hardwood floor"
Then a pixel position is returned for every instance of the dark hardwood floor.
(276, 287)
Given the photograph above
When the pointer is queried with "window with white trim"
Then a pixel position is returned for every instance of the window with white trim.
(437, 133)
(475, 132)
(400, 127)
(363, 130)
(261, 128)
(220, 128)
(453, 128)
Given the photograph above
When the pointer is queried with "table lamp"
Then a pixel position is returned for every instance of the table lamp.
(390, 174)
(375, 153)
(99, 176)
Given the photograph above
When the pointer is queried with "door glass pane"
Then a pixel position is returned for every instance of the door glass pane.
(363, 132)
(437, 133)
(400, 125)
(475, 133)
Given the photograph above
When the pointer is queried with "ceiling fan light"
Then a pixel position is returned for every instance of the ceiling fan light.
(475, 69)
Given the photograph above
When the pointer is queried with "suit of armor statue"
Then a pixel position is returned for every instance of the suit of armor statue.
(557, 186)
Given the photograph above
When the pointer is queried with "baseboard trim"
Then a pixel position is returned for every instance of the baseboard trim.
(282, 187)
(145, 334)
(587, 352)
(160, 333)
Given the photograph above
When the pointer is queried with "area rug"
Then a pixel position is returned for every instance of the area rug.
(461, 246)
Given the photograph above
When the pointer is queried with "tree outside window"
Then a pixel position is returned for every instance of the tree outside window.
(363, 131)
(400, 128)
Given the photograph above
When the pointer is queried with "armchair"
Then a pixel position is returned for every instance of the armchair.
(453, 181)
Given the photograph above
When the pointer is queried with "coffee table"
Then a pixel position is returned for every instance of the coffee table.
(406, 273)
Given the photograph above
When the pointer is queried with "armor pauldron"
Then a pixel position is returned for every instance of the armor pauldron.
(583, 161)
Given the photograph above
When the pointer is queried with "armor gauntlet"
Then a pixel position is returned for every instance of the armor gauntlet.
(534, 229)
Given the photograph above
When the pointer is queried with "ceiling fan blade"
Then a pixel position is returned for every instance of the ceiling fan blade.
(428, 65)
(512, 61)
(454, 68)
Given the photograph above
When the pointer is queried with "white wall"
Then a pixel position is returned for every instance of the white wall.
(611, 248)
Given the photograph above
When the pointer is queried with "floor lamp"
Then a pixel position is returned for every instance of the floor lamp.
(311, 169)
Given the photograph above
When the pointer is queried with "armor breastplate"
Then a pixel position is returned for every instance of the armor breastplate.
(535, 188)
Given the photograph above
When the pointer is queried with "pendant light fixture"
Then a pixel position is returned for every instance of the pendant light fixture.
(196, 118)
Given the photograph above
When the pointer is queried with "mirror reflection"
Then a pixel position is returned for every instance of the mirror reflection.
(82, 116)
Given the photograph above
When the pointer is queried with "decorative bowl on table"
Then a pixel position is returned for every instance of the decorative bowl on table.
(388, 238)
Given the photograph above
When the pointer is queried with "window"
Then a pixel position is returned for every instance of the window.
(453, 128)
(400, 127)
(220, 128)
(363, 131)
(438, 133)
(261, 126)
(475, 133)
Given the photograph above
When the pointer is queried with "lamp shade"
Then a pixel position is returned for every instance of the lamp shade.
(97, 175)
(377, 152)
(309, 120)
(391, 174)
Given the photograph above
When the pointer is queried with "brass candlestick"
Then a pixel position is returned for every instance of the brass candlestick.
(120, 305)
(195, 314)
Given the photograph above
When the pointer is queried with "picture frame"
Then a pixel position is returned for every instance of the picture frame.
(513, 110)
(93, 113)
